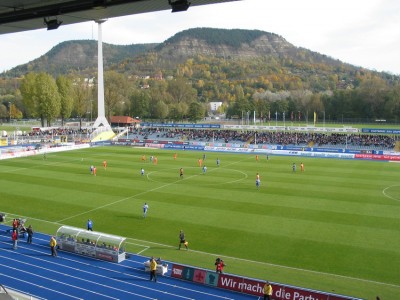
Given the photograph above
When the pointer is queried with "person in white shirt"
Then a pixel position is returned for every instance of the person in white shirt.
(145, 208)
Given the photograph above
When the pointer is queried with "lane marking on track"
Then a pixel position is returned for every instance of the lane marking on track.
(27, 282)
(108, 270)
(85, 281)
(15, 270)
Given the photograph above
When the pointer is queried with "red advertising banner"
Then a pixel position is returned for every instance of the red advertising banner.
(377, 156)
(292, 293)
(250, 286)
(177, 271)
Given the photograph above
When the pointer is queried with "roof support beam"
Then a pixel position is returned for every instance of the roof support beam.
(23, 14)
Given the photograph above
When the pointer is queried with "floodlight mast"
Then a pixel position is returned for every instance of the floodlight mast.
(101, 118)
(179, 5)
(52, 23)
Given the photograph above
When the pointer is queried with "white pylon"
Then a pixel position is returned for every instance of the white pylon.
(101, 117)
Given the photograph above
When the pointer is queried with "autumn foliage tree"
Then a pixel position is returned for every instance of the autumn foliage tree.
(40, 95)
(65, 90)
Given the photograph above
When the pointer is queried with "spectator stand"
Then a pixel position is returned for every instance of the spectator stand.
(91, 243)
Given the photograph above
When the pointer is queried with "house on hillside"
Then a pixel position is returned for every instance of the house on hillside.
(215, 105)
(158, 76)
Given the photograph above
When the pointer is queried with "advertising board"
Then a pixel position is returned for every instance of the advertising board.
(250, 286)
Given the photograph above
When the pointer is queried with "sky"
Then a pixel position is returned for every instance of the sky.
(364, 33)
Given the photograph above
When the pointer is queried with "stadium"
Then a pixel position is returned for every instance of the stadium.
(211, 211)
(329, 225)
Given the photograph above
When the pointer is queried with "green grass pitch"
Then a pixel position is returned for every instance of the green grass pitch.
(334, 227)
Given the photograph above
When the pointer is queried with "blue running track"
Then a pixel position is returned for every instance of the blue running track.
(31, 269)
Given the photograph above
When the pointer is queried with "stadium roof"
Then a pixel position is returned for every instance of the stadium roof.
(24, 15)
(123, 120)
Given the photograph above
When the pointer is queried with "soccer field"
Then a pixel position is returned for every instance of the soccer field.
(334, 227)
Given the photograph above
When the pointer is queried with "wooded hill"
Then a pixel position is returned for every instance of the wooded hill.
(246, 70)
(262, 59)
(78, 57)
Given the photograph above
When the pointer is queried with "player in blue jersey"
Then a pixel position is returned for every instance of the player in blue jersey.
(145, 208)
(204, 170)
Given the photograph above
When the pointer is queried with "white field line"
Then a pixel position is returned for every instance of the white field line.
(46, 164)
(134, 196)
(387, 195)
(275, 265)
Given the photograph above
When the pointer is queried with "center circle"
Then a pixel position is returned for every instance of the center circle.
(392, 192)
(213, 176)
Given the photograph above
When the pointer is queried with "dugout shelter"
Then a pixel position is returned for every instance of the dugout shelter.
(91, 243)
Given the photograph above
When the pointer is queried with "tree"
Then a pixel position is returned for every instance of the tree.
(158, 92)
(181, 91)
(242, 103)
(338, 105)
(261, 106)
(82, 95)
(66, 100)
(316, 103)
(8, 101)
(40, 95)
(392, 105)
(196, 112)
(139, 103)
(280, 106)
(372, 92)
(115, 91)
(28, 92)
(14, 112)
(3, 112)
(302, 98)
(18, 102)
(178, 111)
(49, 103)
(161, 110)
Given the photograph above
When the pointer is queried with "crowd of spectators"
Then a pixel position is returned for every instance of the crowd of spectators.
(303, 139)
(48, 135)
(60, 132)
